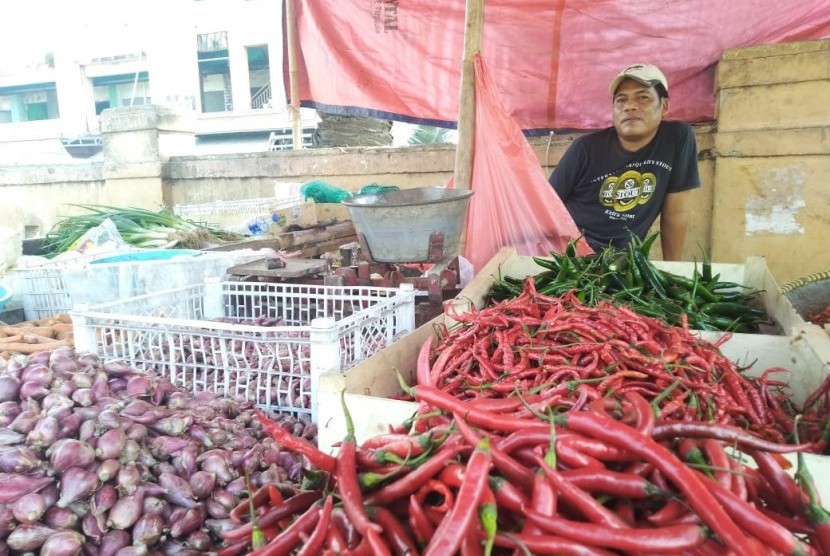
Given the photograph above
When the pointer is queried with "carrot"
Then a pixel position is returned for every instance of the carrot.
(37, 339)
(62, 326)
(47, 331)
(30, 348)
(17, 338)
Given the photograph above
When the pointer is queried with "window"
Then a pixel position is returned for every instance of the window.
(259, 76)
(113, 91)
(28, 103)
(214, 72)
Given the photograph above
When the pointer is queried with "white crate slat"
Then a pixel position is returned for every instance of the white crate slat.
(207, 336)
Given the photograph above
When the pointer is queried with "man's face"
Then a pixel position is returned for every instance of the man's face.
(637, 112)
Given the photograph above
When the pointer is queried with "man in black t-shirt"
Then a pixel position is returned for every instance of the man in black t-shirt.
(616, 181)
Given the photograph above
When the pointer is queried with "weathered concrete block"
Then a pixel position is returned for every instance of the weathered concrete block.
(813, 140)
(775, 207)
(778, 106)
(776, 63)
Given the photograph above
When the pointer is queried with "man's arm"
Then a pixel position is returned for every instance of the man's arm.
(674, 221)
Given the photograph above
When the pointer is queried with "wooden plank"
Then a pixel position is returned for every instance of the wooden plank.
(295, 240)
(473, 23)
(294, 268)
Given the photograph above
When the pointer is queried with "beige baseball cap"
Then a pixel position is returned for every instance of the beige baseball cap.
(644, 73)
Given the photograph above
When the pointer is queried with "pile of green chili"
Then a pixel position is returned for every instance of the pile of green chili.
(628, 277)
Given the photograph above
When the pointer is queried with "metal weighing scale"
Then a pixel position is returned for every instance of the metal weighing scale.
(409, 236)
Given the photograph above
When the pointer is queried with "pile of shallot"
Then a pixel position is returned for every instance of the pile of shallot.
(98, 458)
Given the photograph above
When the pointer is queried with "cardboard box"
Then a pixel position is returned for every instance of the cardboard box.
(804, 350)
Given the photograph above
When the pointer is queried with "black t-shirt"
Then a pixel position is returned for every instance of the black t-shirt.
(612, 193)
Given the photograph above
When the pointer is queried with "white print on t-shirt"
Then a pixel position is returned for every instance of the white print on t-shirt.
(613, 215)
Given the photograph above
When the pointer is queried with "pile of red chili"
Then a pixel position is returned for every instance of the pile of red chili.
(608, 479)
(637, 439)
(559, 353)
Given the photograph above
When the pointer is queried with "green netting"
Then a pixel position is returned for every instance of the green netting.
(323, 192)
(375, 189)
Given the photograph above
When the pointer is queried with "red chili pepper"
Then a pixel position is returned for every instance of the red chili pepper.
(794, 524)
(672, 511)
(583, 502)
(421, 526)
(438, 367)
(377, 543)
(298, 503)
(786, 489)
(487, 419)
(508, 495)
(411, 482)
(298, 445)
(258, 498)
(672, 538)
(614, 483)
(290, 537)
(347, 482)
(746, 515)
(508, 466)
(341, 536)
(666, 430)
(624, 507)
(548, 544)
(645, 415)
(422, 366)
(316, 540)
(542, 500)
(719, 461)
(683, 477)
(758, 488)
(400, 541)
(594, 449)
(435, 496)
(449, 535)
(453, 474)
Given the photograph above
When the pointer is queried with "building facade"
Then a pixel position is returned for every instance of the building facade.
(220, 61)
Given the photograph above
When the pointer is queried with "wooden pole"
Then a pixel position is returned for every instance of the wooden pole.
(293, 86)
(473, 23)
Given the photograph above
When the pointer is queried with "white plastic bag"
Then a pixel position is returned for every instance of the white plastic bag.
(103, 238)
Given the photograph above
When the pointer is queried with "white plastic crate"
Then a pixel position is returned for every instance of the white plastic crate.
(53, 287)
(212, 336)
(238, 207)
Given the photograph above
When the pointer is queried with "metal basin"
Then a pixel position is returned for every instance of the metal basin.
(809, 295)
(397, 225)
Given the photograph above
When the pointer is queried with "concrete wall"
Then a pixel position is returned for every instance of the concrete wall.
(772, 168)
(764, 167)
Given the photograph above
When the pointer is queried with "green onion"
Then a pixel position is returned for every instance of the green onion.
(138, 227)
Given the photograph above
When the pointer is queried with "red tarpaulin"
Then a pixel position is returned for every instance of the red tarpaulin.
(551, 61)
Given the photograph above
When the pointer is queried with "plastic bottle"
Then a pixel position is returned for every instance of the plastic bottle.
(259, 225)
(256, 226)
